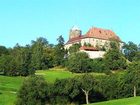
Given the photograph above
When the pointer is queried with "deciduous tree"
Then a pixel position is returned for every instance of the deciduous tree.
(33, 91)
(133, 76)
(88, 83)
(78, 62)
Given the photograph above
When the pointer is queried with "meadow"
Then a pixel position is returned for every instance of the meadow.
(8, 89)
(10, 85)
(125, 101)
(53, 74)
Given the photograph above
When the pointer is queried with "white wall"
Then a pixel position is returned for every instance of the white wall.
(95, 54)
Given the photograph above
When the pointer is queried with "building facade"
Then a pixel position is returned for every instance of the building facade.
(96, 37)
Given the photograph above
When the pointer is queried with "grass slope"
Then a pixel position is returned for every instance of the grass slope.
(125, 101)
(52, 75)
(10, 85)
(8, 89)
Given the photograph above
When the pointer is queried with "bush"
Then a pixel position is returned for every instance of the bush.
(32, 92)
(79, 62)
(98, 65)
(115, 60)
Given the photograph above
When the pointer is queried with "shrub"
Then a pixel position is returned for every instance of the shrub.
(32, 92)
(78, 62)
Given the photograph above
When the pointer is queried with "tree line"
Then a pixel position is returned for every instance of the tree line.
(24, 60)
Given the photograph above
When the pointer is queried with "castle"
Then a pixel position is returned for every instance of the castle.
(97, 38)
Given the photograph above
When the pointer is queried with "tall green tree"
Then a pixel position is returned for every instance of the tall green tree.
(133, 76)
(130, 50)
(3, 50)
(60, 93)
(22, 60)
(59, 52)
(109, 86)
(74, 90)
(114, 59)
(47, 57)
(37, 53)
(88, 83)
(79, 62)
(7, 65)
(137, 56)
(25, 69)
(98, 65)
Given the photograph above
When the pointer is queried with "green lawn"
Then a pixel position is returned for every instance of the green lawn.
(126, 101)
(8, 89)
(10, 85)
(52, 75)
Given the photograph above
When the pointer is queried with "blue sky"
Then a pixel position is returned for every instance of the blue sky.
(24, 20)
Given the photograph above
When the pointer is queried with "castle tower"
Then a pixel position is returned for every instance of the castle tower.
(75, 32)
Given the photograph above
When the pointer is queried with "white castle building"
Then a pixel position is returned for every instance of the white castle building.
(96, 37)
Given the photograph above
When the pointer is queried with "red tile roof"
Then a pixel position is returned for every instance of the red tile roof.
(88, 48)
(76, 39)
(102, 34)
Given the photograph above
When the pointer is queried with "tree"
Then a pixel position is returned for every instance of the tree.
(114, 45)
(130, 50)
(137, 56)
(7, 65)
(88, 83)
(25, 55)
(60, 92)
(78, 62)
(38, 47)
(22, 60)
(3, 50)
(73, 87)
(139, 47)
(74, 48)
(108, 86)
(114, 59)
(17, 62)
(33, 91)
(59, 52)
(73, 90)
(47, 57)
(98, 65)
(133, 76)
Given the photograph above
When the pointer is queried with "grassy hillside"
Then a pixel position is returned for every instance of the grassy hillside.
(10, 85)
(53, 74)
(126, 101)
(8, 88)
